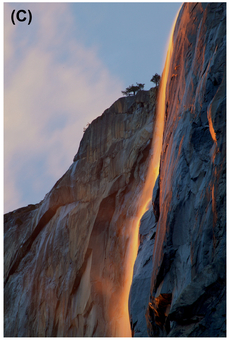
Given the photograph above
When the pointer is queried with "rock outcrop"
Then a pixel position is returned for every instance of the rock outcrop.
(189, 253)
(66, 257)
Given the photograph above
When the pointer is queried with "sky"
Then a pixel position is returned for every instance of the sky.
(64, 70)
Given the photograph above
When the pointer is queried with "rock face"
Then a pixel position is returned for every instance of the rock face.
(187, 295)
(140, 288)
(66, 257)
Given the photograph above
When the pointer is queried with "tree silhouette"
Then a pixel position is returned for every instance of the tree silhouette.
(133, 89)
(156, 79)
(126, 93)
(141, 86)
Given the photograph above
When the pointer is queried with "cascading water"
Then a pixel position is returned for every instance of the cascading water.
(146, 195)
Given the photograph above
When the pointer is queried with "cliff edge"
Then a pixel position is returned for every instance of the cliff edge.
(65, 258)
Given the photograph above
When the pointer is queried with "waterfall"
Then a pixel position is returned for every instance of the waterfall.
(146, 195)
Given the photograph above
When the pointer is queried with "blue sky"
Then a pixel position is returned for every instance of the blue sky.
(63, 71)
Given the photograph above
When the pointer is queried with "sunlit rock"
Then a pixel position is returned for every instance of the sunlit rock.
(67, 269)
(66, 266)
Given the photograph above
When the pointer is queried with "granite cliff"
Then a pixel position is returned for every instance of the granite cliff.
(68, 266)
(185, 229)
(66, 257)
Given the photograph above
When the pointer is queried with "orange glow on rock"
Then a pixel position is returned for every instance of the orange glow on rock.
(146, 195)
(211, 128)
(213, 135)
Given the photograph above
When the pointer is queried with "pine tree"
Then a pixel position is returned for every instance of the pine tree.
(133, 89)
(156, 79)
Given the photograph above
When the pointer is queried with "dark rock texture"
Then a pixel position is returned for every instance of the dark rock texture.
(139, 293)
(189, 256)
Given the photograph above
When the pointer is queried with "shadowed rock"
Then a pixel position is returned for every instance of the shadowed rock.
(189, 251)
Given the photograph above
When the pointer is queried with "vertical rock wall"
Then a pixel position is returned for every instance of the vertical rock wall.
(187, 296)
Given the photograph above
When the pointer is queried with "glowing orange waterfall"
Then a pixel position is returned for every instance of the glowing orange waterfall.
(146, 196)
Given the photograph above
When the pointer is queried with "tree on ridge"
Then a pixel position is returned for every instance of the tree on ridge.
(133, 89)
(156, 79)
